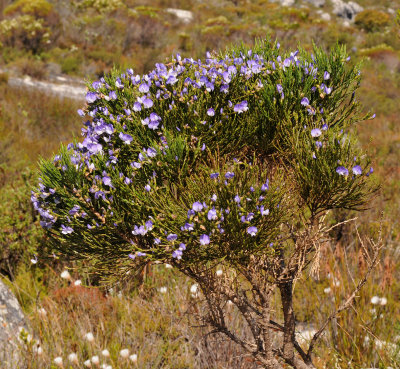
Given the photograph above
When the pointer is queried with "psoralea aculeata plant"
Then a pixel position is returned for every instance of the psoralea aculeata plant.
(228, 161)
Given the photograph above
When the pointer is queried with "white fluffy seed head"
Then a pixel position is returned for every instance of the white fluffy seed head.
(163, 289)
(42, 312)
(168, 266)
(219, 272)
(105, 353)
(383, 301)
(124, 353)
(88, 364)
(58, 361)
(78, 282)
(95, 360)
(65, 275)
(327, 290)
(73, 358)
(133, 358)
(194, 288)
(89, 337)
(375, 300)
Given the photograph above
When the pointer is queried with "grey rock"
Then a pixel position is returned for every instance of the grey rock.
(316, 3)
(345, 10)
(326, 17)
(284, 2)
(12, 321)
(186, 16)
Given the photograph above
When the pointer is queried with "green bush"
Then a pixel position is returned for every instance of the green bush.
(372, 20)
(233, 163)
(71, 64)
(36, 8)
(25, 31)
(20, 236)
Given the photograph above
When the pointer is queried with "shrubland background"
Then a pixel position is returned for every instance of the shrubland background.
(85, 39)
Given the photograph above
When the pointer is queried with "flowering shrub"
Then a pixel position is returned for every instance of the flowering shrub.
(24, 31)
(233, 161)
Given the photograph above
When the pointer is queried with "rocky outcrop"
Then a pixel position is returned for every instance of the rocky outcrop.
(12, 320)
(186, 16)
(346, 10)
(316, 3)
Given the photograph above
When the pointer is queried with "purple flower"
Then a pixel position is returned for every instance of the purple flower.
(151, 153)
(325, 127)
(172, 237)
(305, 101)
(204, 239)
(214, 197)
(144, 88)
(252, 231)
(279, 88)
(263, 211)
(147, 188)
(229, 175)
(127, 139)
(265, 186)
(326, 75)
(342, 171)
(237, 199)
(187, 227)
(74, 210)
(147, 102)
(139, 230)
(118, 83)
(241, 107)
(91, 97)
(212, 214)
(211, 112)
(357, 170)
(66, 229)
(107, 181)
(99, 194)
(137, 106)
(214, 175)
(327, 90)
(316, 132)
(81, 113)
(318, 144)
(197, 206)
(112, 95)
(177, 254)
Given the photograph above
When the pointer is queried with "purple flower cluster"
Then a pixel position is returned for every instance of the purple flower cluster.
(121, 111)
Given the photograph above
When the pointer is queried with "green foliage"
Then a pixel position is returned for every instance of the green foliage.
(25, 31)
(270, 141)
(36, 120)
(36, 8)
(101, 6)
(20, 236)
(71, 64)
(372, 20)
